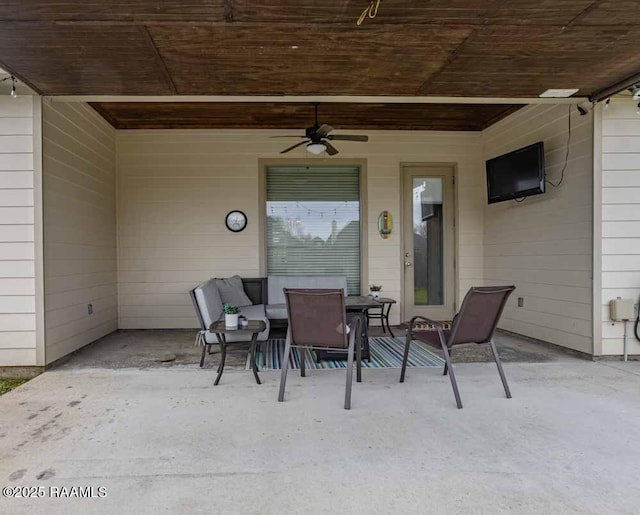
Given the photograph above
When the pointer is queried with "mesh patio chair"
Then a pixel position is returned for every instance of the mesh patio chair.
(476, 322)
(317, 320)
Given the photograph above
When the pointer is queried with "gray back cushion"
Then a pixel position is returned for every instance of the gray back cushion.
(209, 302)
(232, 291)
(277, 282)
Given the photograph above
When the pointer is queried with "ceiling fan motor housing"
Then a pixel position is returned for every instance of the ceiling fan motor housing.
(312, 133)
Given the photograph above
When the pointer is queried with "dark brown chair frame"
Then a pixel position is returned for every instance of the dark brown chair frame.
(349, 339)
(461, 321)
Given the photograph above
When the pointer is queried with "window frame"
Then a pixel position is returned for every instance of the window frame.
(262, 213)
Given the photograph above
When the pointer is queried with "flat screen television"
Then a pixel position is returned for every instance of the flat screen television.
(517, 174)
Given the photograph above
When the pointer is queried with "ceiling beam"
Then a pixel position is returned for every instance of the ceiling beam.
(321, 99)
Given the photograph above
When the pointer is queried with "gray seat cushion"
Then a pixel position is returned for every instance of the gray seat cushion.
(276, 283)
(277, 311)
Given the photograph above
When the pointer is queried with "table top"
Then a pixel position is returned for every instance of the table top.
(359, 302)
(255, 326)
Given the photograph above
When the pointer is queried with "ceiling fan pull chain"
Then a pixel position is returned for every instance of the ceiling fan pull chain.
(363, 16)
(373, 8)
(371, 11)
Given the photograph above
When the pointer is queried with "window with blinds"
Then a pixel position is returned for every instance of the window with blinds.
(313, 222)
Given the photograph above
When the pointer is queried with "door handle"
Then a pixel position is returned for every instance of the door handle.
(407, 263)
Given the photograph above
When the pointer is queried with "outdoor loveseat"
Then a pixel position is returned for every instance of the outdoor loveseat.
(260, 298)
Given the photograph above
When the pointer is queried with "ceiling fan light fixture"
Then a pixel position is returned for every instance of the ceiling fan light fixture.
(318, 138)
(316, 148)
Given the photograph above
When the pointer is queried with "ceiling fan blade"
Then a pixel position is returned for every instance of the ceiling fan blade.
(331, 150)
(323, 130)
(348, 137)
(294, 146)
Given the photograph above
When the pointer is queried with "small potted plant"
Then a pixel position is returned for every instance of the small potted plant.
(242, 320)
(231, 316)
(375, 290)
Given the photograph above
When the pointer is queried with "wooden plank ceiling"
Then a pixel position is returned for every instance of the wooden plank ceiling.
(469, 48)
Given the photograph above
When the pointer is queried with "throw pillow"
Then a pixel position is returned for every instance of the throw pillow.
(231, 291)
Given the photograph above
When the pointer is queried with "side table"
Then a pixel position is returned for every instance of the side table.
(220, 330)
(383, 315)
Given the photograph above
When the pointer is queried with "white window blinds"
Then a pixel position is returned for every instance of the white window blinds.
(313, 222)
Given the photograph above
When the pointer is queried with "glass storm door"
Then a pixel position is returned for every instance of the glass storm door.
(428, 242)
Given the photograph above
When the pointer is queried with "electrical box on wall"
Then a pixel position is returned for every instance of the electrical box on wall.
(621, 309)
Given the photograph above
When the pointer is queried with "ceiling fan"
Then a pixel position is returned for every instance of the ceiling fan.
(318, 137)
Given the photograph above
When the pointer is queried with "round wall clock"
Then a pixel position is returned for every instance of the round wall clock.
(236, 221)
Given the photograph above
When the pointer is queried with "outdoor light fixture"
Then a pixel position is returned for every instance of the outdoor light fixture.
(316, 148)
(635, 92)
(584, 108)
(13, 85)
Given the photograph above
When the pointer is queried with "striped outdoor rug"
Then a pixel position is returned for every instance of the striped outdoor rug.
(385, 353)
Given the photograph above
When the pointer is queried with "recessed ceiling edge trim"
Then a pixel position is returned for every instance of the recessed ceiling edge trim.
(320, 99)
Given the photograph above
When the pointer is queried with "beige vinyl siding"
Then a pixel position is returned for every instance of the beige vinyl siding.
(543, 245)
(620, 247)
(19, 131)
(176, 186)
(79, 227)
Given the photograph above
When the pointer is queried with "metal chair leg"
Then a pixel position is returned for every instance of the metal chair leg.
(204, 352)
(302, 351)
(355, 332)
(446, 367)
(405, 356)
(221, 344)
(500, 371)
(285, 367)
(252, 353)
(223, 357)
(385, 319)
(452, 376)
(347, 392)
(359, 357)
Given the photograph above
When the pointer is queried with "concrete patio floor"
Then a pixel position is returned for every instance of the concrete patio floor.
(164, 440)
(170, 348)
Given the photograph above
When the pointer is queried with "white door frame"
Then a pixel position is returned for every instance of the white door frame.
(454, 235)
